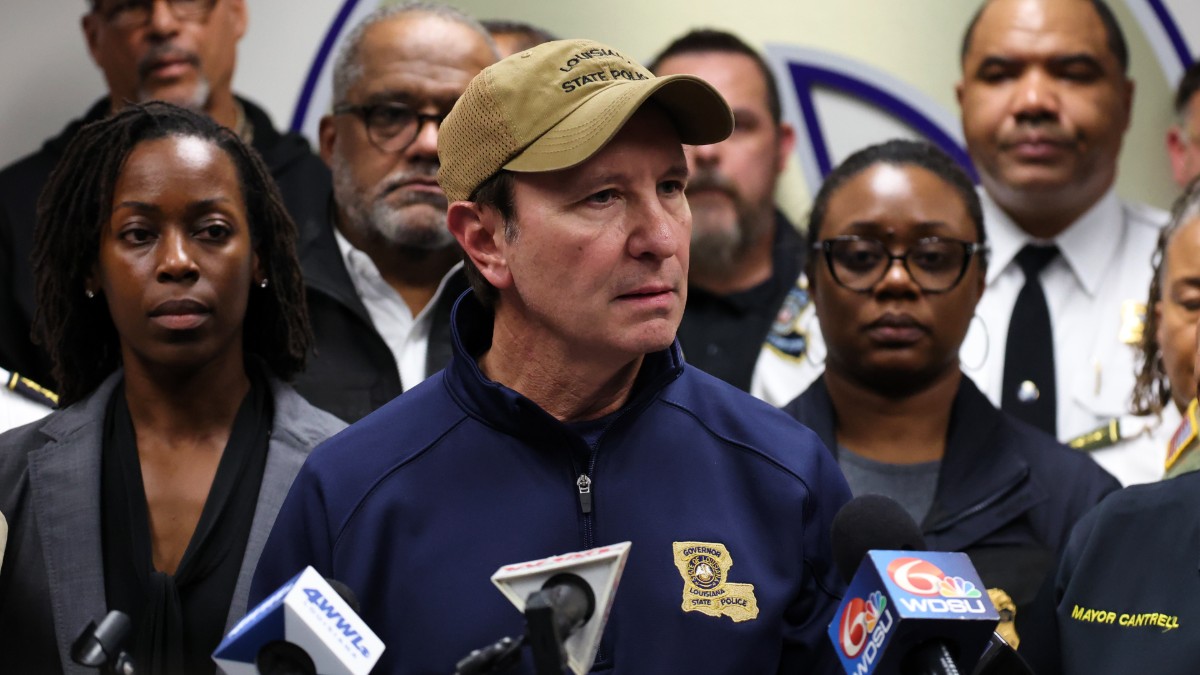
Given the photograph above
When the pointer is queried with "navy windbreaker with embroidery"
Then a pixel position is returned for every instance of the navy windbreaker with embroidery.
(417, 505)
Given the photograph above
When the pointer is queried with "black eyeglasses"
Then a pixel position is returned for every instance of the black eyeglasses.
(936, 264)
(392, 127)
(127, 14)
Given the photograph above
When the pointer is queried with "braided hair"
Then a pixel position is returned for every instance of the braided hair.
(1152, 390)
(76, 204)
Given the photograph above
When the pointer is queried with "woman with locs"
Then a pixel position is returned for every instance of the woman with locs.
(171, 300)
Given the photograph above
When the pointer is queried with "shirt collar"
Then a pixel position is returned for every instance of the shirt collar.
(365, 274)
(1087, 245)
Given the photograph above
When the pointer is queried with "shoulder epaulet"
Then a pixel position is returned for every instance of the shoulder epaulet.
(1182, 444)
(1104, 436)
(31, 390)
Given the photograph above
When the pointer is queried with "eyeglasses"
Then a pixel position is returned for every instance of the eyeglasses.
(127, 14)
(935, 264)
(392, 127)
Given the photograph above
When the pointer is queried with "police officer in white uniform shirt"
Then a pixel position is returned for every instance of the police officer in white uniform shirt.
(1045, 104)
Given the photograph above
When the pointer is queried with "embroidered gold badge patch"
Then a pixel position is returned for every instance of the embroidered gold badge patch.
(1008, 616)
(706, 589)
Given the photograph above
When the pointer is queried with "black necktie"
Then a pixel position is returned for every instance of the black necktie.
(1029, 391)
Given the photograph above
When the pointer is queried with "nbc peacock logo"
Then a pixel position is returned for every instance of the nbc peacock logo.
(860, 617)
(923, 578)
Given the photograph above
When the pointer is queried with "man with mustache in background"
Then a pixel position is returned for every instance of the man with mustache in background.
(746, 257)
(1046, 101)
(180, 51)
(384, 274)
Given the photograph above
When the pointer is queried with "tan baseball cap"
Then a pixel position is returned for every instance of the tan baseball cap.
(555, 105)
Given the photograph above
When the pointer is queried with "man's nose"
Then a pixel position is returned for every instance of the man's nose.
(1036, 98)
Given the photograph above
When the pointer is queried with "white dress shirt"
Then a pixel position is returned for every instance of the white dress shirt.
(406, 336)
(1102, 274)
(1096, 292)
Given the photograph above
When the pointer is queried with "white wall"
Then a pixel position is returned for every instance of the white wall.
(47, 77)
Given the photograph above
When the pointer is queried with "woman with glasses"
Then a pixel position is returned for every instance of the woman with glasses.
(897, 263)
(171, 301)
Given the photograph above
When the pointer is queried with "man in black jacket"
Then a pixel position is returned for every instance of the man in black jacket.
(381, 270)
(746, 258)
(183, 53)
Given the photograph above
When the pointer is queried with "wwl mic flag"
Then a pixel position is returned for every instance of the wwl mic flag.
(309, 614)
(901, 599)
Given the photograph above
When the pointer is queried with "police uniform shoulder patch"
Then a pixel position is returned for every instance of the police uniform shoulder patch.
(788, 336)
(31, 390)
(706, 587)
(1103, 436)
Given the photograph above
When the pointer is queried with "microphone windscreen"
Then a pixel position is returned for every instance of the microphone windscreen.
(871, 523)
(347, 594)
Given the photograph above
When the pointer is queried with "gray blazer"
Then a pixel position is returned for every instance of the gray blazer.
(52, 576)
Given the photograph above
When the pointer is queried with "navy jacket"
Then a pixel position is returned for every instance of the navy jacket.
(1007, 493)
(301, 176)
(417, 505)
(1125, 593)
(351, 371)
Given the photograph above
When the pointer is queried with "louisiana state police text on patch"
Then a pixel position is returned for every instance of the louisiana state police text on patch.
(705, 569)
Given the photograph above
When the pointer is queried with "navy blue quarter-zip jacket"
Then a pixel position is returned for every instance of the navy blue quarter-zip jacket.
(415, 507)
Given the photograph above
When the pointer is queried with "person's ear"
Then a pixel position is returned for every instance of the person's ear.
(326, 137)
(480, 233)
(91, 23)
(240, 17)
(785, 141)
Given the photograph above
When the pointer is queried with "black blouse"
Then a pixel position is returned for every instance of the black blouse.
(178, 620)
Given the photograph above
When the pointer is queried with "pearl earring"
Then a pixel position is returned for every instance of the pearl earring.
(89, 293)
(262, 284)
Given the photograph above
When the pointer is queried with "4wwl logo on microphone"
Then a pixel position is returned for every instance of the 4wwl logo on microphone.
(906, 597)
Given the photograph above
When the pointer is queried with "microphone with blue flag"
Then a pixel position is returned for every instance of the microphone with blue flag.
(304, 627)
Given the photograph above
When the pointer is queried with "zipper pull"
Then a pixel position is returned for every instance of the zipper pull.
(585, 493)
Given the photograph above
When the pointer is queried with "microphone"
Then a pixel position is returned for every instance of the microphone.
(906, 610)
(100, 646)
(566, 600)
(308, 626)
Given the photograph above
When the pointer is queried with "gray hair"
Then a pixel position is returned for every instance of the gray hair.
(347, 69)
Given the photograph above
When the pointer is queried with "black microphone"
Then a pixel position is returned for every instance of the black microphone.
(871, 523)
(906, 611)
(552, 615)
(565, 600)
(101, 646)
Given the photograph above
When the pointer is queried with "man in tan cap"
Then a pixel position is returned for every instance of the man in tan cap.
(567, 418)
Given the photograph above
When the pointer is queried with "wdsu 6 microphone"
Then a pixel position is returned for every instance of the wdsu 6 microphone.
(907, 611)
(304, 628)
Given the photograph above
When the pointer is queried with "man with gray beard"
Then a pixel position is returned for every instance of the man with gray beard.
(746, 258)
(384, 272)
(183, 52)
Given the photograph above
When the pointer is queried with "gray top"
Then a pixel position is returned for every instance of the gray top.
(912, 485)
